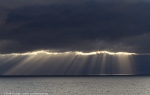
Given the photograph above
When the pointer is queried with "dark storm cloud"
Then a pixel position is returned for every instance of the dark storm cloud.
(85, 25)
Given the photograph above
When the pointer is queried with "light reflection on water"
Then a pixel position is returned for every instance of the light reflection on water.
(121, 85)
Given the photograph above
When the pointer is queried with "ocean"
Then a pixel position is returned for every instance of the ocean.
(111, 85)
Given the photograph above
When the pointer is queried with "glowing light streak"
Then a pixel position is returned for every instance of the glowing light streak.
(71, 62)
(105, 52)
(76, 52)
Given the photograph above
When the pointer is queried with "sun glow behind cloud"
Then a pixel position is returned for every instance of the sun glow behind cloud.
(73, 52)
(44, 62)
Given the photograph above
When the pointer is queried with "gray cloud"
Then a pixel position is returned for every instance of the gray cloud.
(66, 25)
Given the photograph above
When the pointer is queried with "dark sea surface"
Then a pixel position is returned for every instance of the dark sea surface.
(111, 85)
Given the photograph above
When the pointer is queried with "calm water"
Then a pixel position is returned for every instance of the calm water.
(75, 85)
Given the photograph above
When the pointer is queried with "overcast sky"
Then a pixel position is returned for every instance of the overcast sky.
(80, 25)
(74, 25)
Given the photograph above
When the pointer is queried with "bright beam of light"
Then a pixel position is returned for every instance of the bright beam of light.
(72, 62)
(79, 63)
(124, 64)
(76, 52)
(105, 52)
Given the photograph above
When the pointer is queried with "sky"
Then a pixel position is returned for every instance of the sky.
(46, 37)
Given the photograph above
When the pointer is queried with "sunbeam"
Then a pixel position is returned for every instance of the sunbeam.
(79, 37)
(124, 64)
(44, 62)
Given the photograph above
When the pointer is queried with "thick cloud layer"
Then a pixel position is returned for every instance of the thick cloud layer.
(83, 25)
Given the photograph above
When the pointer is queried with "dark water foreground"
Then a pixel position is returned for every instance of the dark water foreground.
(117, 85)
